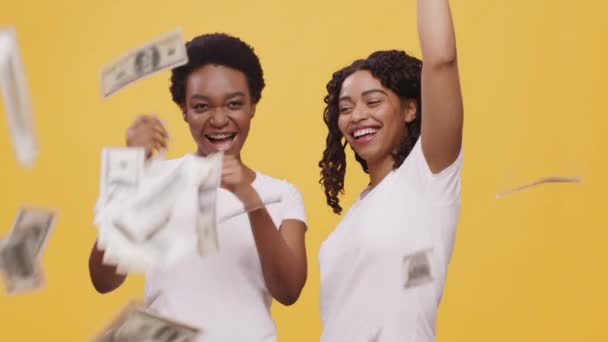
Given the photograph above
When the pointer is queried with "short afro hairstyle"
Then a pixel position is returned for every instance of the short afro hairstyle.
(398, 72)
(218, 49)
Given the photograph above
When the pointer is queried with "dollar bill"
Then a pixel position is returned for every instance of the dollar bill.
(121, 169)
(21, 270)
(150, 210)
(138, 324)
(417, 268)
(33, 225)
(208, 242)
(17, 100)
(21, 250)
(165, 52)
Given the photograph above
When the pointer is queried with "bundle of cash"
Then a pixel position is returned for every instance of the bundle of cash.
(135, 214)
(138, 323)
(21, 250)
(165, 52)
(17, 101)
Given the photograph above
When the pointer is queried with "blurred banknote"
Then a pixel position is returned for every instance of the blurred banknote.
(206, 221)
(121, 169)
(20, 252)
(165, 52)
(138, 230)
(17, 102)
(138, 324)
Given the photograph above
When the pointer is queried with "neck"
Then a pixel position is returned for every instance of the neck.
(379, 169)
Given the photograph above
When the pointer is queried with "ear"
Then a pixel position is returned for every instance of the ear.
(253, 107)
(409, 110)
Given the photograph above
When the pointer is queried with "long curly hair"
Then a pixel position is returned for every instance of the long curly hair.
(397, 71)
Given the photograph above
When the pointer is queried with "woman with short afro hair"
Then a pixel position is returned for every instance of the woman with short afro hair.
(262, 252)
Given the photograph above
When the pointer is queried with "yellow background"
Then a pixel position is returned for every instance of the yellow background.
(528, 267)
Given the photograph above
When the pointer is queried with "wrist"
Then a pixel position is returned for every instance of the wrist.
(248, 196)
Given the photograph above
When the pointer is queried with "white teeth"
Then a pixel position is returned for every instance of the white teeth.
(221, 135)
(364, 131)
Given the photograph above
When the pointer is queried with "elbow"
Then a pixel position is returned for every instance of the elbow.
(288, 299)
(440, 62)
(102, 289)
(288, 296)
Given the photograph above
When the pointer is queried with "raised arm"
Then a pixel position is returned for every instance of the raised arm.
(442, 112)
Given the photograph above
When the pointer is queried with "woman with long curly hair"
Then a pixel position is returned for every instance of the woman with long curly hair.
(383, 268)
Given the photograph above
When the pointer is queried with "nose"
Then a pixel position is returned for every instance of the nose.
(219, 118)
(359, 114)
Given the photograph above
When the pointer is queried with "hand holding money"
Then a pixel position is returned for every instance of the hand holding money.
(137, 228)
(149, 132)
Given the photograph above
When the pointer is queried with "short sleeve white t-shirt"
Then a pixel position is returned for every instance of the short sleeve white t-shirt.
(383, 268)
(225, 294)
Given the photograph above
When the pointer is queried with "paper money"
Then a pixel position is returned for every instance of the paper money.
(21, 250)
(140, 232)
(20, 268)
(121, 169)
(17, 100)
(138, 324)
(35, 226)
(417, 269)
(150, 210)
(206, 224)
(539, 182)
(231, 213)
(165, 52)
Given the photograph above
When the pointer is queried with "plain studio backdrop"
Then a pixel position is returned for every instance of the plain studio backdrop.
(527, 267)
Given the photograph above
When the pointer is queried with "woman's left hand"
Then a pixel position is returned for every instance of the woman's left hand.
(237, 179)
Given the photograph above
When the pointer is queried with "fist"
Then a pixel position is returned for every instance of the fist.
(149, 132)
(236, 178)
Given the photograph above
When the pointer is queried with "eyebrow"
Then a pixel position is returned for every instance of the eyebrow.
(205, 98)
(365, 93)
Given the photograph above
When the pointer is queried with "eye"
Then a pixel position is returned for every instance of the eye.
(345, 109)
(234, 105)
(373, 102)
(200, 107)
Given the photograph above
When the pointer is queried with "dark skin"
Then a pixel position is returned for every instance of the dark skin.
(218, 110)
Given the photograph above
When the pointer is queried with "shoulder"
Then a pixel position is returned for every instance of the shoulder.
(265, 183)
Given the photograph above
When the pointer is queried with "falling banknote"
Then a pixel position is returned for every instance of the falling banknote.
(16, 97)
(136, 323)
(165, 52)
(21, 250)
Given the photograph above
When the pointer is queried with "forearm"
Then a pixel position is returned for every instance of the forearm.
(283, 272)
(104, 277)
(436, 32)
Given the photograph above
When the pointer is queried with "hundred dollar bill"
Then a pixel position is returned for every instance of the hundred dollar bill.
(21, 269)
(121, 168)
(138, 324)
(417, 268)
(206, 225)
(165, 52)
(33, 225)
(17, 100)
(21, 250)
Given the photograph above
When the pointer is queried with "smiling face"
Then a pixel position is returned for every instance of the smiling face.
(218, 109)
(372, 117)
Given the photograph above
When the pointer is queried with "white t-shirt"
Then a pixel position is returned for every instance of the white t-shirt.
(225, 294)
(383, 268)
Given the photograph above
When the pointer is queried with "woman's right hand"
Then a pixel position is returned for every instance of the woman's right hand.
(149, 132)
